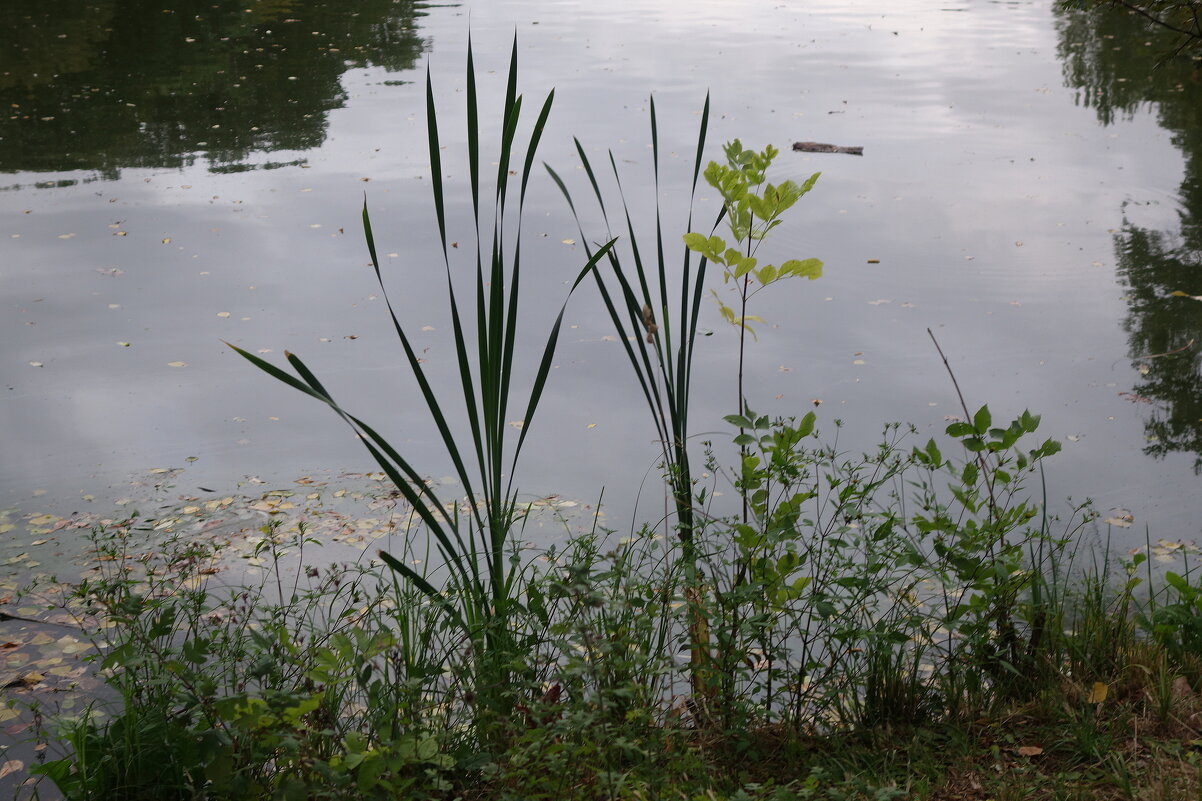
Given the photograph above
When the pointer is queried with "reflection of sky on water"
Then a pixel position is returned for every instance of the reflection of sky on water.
(972, 146)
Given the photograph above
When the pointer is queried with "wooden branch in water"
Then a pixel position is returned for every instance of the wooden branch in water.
(820, 147)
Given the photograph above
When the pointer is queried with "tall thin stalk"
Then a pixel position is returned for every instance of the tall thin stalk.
(655, 307)
(472, 538)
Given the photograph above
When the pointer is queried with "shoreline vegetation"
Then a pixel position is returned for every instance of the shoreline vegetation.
(805, 623)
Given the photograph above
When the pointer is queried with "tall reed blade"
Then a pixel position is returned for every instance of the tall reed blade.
(472, 544)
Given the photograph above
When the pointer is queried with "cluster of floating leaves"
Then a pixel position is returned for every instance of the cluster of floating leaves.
(48, 636)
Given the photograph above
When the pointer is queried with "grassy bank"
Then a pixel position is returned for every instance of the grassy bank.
(343, 681)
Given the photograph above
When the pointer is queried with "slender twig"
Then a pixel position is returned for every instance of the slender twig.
(967, 418)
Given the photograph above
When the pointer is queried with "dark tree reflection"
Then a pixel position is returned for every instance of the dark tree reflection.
(108, 84)
(1119, 66)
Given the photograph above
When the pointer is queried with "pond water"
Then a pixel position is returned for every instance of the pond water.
(179, 174)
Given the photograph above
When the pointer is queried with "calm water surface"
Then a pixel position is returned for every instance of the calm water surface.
(175, 175)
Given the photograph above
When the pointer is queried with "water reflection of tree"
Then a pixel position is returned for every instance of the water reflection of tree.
(108, 84)
(1117, 63)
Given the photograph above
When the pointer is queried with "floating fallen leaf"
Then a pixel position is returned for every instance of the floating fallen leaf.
(1177, 293)
(36, 364)
(11, 766)
(879, 301)
(1121, 518)
(874, 261)
(120, 233)
(177, 364)
(223, 314)
(166, 240)
(569, 241)
(65, 236)
(592, 425)
(517, 423)
(123, 344)
(1098, 693)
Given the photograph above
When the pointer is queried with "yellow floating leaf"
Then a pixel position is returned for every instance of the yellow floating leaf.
(1098, 693)
(223, 314)
(70, 645)
(177, 364)
(569, 241)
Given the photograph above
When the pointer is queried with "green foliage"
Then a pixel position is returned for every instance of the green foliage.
(750, 216)
(474, 546)
(874, 592)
